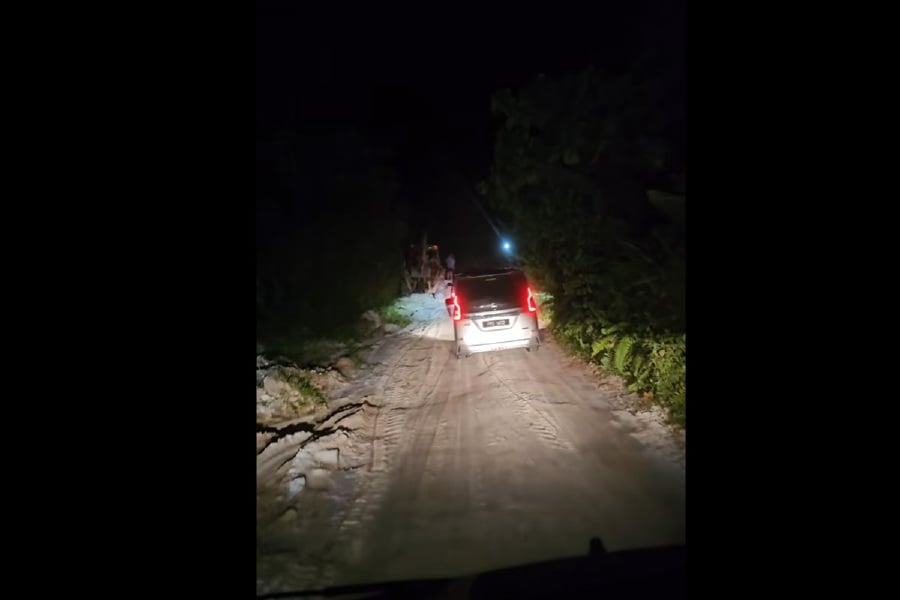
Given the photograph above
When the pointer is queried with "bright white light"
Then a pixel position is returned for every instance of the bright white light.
(506, 245)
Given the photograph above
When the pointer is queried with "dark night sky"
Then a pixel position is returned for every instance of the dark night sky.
(432, 84)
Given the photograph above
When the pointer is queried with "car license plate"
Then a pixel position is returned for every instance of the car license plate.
(496, 322)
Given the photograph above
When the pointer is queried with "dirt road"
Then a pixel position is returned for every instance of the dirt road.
(460, 466)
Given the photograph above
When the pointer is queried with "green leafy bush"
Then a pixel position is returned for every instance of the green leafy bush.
(391, 313)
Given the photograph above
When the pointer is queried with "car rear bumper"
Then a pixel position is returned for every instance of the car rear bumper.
(496, 346)
(472, 337)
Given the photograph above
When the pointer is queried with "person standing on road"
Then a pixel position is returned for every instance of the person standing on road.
(433, 272)
(451, 265)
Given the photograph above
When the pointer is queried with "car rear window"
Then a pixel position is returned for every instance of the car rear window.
(500, 289)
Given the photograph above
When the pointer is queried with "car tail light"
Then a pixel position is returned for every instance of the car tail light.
(457, 313)
(532, 307)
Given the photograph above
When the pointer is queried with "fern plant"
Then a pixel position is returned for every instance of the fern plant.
(622, 354)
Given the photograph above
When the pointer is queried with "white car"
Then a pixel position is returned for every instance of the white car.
(492, 311)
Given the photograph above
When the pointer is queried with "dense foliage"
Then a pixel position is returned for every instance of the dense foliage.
(590, 169)
(329, 234)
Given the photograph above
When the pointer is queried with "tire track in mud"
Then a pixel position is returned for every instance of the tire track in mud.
(387, 422)
(393, 399)
(321, 567)
(539, 421)
(406, 448)
(579, 421)
(508, 454)
(475, 469)
(413, 476)
(412, 419)
(466, 440)
(599, 414)
(656, 486)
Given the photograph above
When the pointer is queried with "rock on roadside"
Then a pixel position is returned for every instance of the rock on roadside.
(345, 367)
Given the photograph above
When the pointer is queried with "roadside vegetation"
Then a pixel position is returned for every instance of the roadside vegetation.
(330, 230)
(392, 313)
(589, 167)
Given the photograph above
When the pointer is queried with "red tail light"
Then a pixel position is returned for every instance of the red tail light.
(456, 310)
(532, 307)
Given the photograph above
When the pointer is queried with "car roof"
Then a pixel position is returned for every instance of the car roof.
(487, 273)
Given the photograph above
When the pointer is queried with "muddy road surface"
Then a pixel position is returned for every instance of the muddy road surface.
(443, 467)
